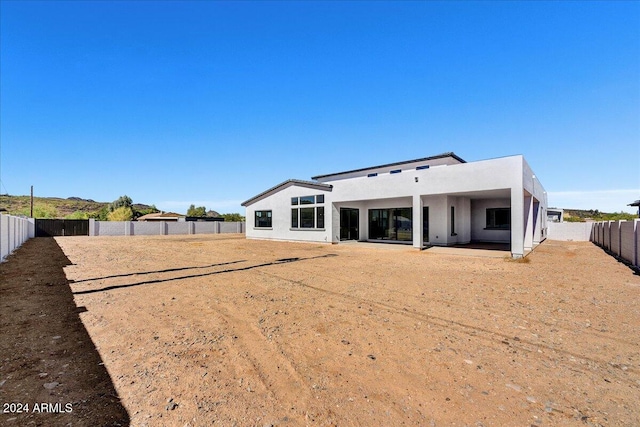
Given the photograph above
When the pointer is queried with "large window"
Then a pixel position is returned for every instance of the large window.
(391, 224)
(263, 219)
(307, 216)
(499, 219)
(307, 200)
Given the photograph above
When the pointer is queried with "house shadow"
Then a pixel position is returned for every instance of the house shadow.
(49, 359)
(196, 275)
(166, 270)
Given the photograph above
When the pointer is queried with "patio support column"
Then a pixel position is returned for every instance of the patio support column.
(335, 224)
(528, 222)
(537, 223)
(517, 222)
(417, 222)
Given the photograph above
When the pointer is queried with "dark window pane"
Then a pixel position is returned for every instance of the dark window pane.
(402, 221)
(320, 198)
(396, 171)
(499, 218)
(391, 224)
(453, 220)
(320, 212)
(294, 218)
(307, 200)
(294, 200)
(371, 175)
(263, 219)
(307, 218)
(422, 167)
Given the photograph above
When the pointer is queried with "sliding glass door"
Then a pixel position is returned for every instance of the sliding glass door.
(391, 224)
(349, 224)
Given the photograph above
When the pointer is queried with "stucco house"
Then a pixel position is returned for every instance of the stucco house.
(438, 200)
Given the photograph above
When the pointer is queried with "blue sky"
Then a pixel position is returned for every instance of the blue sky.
(174, 103)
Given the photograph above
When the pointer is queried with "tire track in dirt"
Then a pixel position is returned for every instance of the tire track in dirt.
(532, 320)
(487, 335)
(276, 371)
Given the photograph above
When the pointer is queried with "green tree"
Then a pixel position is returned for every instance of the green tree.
(200, 211)
(40, 211)
(232, 217)
(100, 215)
(121, 214)
(78, 215)
(122, 202)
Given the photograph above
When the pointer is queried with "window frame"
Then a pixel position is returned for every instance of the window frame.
(490, 219)
(303, 218)
(307, 200)
(268, 214)
(313, 213)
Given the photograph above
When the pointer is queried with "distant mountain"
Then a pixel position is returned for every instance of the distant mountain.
(581, 215)
(21, 205)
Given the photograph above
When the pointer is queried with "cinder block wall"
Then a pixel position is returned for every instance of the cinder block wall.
(628, 236)
(153, 228)
(14, 231)
(570, 231)
(621, 238)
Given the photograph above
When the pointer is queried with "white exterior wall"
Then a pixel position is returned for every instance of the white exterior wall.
(462, 185)
(279, 204)
(479, 221)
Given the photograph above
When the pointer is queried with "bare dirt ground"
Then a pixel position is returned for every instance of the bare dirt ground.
(218, 330)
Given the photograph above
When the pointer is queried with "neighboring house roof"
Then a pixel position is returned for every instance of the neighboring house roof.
(438, 156)
(160, 216)
(636, 203)
(288, 183)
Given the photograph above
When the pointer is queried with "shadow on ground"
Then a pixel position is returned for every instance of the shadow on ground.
(49, 367)
(191, 276)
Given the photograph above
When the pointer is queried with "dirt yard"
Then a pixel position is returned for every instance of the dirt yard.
(219, 330)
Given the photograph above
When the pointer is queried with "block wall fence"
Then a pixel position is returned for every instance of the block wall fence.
(162, 228)
(620, 238)
(14, 231)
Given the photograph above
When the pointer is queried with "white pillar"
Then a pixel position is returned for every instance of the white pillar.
(517, 223)
(528, 222)
(416, 220)
(335, 224)
(537, 225)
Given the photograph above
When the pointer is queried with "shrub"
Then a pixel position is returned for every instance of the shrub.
(78, 215)
(100, 215)
(200, 211)
(233, 217)
(122, 202)
(40, 211)
(121, 214)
